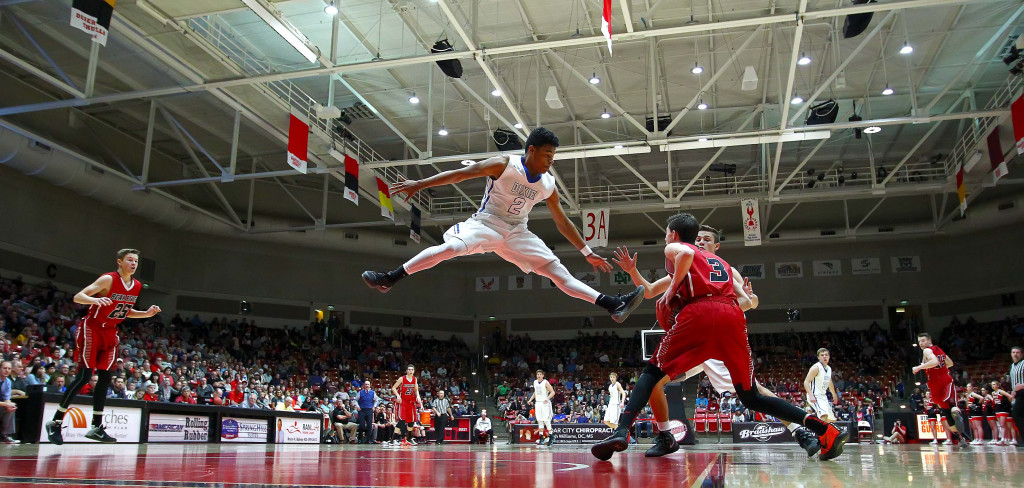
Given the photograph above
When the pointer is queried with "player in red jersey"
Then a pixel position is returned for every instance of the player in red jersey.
(111, 299)
(704, 321)
(936, 365)
(407, 395)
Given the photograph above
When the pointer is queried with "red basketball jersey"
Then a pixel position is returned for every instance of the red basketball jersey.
(939, 374)
(709, 276)
(408, 389)
(123, 299)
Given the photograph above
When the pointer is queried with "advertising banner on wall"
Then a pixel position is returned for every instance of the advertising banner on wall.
(290, 430)
(830, 267)
(234, 429)
(775, 432)
(862, 266)
(178, 428)
(906, 264)
(123, 424)
(564, 433)
(924, 428)
(789, 270)
(752, 271)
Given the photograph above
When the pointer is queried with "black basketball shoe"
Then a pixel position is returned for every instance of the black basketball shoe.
(627, 304)
(807, 440)
(664, 444)
(617, 442)
(378, 281)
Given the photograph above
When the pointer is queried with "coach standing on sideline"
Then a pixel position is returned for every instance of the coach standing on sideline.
(1017, 384)
(366, 401)
(442, 414)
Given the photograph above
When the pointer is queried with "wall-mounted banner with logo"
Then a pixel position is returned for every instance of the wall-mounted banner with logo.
(906, 264)
(123, 424)
(751, 222)
(178, 428)
(862, 266)
(233, 429)
(591, 278)
(520, 282)
(487, 283)
(290, 430)
(568, 433)
(752, 271)
(775, 432)
(789, 270)
(595, 226)
(832, 267)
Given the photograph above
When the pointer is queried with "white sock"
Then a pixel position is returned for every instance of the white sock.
(792, 427)
(664, 426)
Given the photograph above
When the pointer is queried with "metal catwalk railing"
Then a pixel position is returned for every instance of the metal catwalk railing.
(968, 142)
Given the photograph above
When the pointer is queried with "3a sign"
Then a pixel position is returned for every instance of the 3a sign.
(595, 226)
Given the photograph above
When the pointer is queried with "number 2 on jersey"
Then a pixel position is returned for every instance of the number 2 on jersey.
(517, 205)
(120, 311)
(718, 272)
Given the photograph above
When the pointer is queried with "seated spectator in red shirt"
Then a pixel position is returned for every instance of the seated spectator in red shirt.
(237, 395)
(186, 396)
(218, 397)
(150, 395)
(88, 388)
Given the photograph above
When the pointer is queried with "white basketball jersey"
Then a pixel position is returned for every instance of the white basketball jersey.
(515, 192)
(613, 394)
(540, 390)
(819, 385)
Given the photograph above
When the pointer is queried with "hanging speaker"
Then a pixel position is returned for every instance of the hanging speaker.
(823, 113)
(507, 141)
(856, 24)
(450, 67)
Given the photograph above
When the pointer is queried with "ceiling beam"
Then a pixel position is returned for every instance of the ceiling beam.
(788, 94)
(615, 106)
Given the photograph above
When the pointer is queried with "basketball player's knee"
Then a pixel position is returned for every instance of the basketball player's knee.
(750, 398)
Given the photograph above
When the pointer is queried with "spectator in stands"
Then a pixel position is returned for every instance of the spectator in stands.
(899, 433)
(166, 393)
(118, 389)
(250, 401)
(150, 394)
(7, 407)
(218, 397)
(186, 396)
(59, 384)
(204, 391)
(483, 428)
(342, 420)
(917, 401)
(18, 379)
(382, 422)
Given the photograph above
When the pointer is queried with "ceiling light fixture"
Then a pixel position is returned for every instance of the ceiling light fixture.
(517, 125)
(804, 60)
(702, 105)
(696, 69)
(414, 99)
(907, 48)
(797, 100)
(606, 115)
(887, 91)
(874, 129)
(282, 30)
(442, 131)
(594, 79)
(331, 9)
(495, 92)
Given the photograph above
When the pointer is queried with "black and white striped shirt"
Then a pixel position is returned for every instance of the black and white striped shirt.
(441, 406)
(1017, 374)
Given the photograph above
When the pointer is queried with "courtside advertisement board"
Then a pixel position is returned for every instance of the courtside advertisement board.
(233, 429)
(123, 424)
(178, 428)
(298, 431)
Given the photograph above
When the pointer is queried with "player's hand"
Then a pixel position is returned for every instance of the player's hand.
(409, 187)
(102, 301)
(153, 310)
(623, 259)
(915, 369)
(749, 290)
(398, 400)
(600, 264)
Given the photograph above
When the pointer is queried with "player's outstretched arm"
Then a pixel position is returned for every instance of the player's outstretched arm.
(144, 314)
(628, 264)
(745, 286)
(567, 229)
(681, 258)
(100, 286)
(492, 167)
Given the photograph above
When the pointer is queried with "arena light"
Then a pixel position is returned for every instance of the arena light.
(474, 373)
(907, 48)
(485, 356)
(442, 132)
(887, 90)
(796, 100)
(331, 9)
(874, 129)
(517, 125)
(282, 30)
(414, 99)
(468, 162)
(495, 92)
(696, 69)
(804, 60)
(594, 79)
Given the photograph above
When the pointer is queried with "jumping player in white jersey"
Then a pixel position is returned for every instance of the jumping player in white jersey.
(817, 382)
(708, 239)
(514, 185)
(541, 398)
(616, 399)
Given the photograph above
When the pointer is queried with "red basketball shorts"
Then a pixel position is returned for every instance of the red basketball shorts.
(707, 328)
(407, 410)
(96, 346)
(943, 394)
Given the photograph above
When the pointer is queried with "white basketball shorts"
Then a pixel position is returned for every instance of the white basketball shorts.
(514, 243)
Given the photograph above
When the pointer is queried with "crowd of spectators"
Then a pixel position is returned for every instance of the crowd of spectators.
(230, 362)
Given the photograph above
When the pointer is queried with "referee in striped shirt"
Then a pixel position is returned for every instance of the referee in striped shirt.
(442, 414)
(1017, 384)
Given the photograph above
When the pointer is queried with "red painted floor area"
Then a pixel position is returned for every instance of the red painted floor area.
(280, 466)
